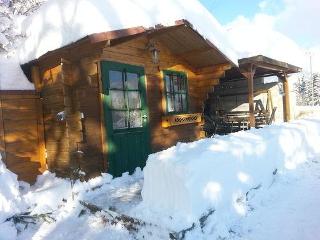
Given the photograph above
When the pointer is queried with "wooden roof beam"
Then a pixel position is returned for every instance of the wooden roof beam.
(268, 63)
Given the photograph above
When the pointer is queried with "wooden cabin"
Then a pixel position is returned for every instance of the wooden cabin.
(110, 99)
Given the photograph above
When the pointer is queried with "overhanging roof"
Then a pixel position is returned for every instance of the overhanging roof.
(268, 64)
(181, 39)
(264, 67)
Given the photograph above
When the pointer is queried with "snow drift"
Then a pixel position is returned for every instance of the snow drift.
(9, 193)
(186, 181)
(59, 22)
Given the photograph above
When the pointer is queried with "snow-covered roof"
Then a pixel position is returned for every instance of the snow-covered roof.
(12, 76)
(58, 22)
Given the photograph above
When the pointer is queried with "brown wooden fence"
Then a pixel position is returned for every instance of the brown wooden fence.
(21, 133)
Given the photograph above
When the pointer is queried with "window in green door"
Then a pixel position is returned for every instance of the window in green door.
(125, 100)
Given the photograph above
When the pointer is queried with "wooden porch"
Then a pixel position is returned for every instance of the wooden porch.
(243, 85)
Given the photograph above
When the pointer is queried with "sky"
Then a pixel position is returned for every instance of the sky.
(284, 29)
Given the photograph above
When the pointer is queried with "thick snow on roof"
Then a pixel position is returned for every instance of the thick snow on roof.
(59, 22)
(12, 76)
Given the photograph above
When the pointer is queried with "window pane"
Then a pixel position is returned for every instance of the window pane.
(133, 81)
(134, 99)
(135, 119)
(178, 104)
(175, 83)
(168, 83)
(182, 84)
(184, 102)
(119, 119)
(170, 102)
(115, 78)
(117, 99)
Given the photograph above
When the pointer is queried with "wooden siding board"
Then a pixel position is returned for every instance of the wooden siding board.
(20, 134)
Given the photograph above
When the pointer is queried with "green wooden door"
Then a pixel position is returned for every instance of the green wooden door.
(126, 116)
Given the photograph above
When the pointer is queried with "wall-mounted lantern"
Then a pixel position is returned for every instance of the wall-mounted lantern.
(154, 52)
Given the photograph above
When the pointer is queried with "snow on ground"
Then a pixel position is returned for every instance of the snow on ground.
(12, 76)
(274, 197)
(185, 182)
(289, 210)
(10, 201)
(51, 194)
(59, 22)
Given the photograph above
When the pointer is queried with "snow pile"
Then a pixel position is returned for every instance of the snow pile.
(10, 202)
(53, 195)
(9, 192)
(59, 22)
(289, 209)
(12, 76)
(185, 182)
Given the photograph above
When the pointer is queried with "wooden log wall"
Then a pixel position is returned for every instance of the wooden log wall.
(21, 133)
(56, 140)
(70, 91)
(200, 82)
(73, 86)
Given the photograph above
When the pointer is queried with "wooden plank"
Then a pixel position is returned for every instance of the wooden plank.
(19, 104)
(23, 149)
(58, 158)
(26, 114)
(53, 146)
(41, 140)
(2, 133)
(286, 100)
(19, 96)
(13, 94)
(19, 125)
(26, 171)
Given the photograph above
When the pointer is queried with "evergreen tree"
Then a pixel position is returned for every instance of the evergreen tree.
(304, 88)
(10, 12)
(316, 87)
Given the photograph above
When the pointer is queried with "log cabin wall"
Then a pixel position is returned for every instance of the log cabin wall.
(56, 136)
(200, 82)
(21, 133)
(70, 93)
(71, 88)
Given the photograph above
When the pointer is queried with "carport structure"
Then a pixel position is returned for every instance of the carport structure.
(261, 66)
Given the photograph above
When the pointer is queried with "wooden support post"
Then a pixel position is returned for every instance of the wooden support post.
(2, 134)
(249, 74)
(286, 99)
